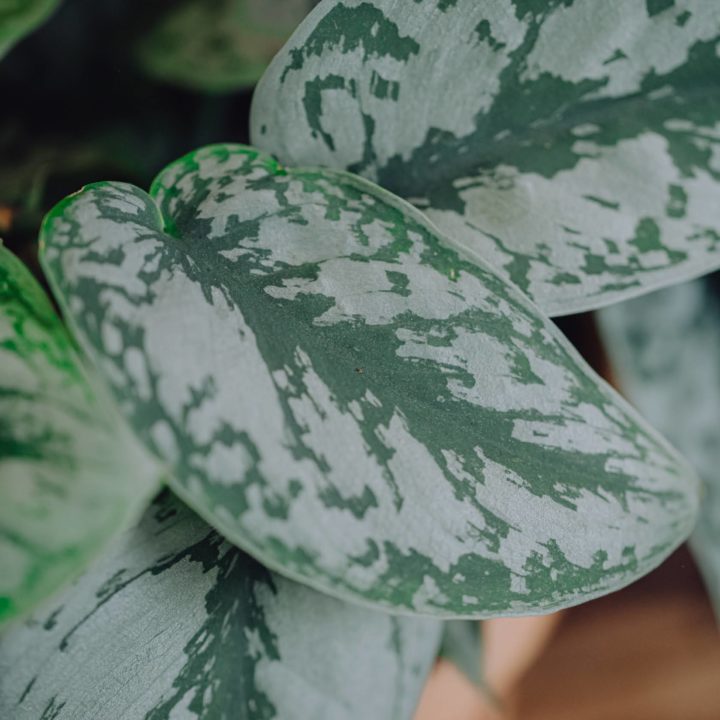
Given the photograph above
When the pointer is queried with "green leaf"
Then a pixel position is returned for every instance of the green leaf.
(71, 474)
(665, 350)
(177, 623)
(20, 17)
(219, 45)
(340, 393)
(462, 646)
(574, 144)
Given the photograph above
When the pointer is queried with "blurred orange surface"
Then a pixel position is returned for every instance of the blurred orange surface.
(649, 652)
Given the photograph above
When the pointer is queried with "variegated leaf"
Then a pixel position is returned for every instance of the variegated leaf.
(71, 474)
(666, 352)
(344, 396)
(574, 144)
(219, 45)
(19, 17)
(176, 623)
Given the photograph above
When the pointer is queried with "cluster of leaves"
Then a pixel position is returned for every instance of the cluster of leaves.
(357, 385)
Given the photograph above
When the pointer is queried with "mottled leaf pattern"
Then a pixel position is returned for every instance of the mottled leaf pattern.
(666, 352)
(344, 396)
(176, 623)
(19, 17)
(574, 144)
(71, 475)
(219, 45)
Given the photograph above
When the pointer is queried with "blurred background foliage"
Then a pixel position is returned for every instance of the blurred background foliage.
(116, 89)
(18, 17)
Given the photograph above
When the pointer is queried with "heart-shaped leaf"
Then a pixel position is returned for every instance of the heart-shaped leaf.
(344, 396)
(574, 144)
(71, 474)
(219, 45)
(665, 350)
(19, 17)
(177, 623)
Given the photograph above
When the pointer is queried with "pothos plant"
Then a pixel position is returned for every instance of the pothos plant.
(356, 386)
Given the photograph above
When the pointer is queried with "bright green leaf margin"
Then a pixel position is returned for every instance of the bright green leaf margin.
(71, 475)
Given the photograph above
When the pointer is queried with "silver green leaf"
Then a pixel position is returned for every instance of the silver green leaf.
(176, 623)
(218, 45)
(574, 144)
(342, 394)
(665, 350)
(71, 473)
(20, 17)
